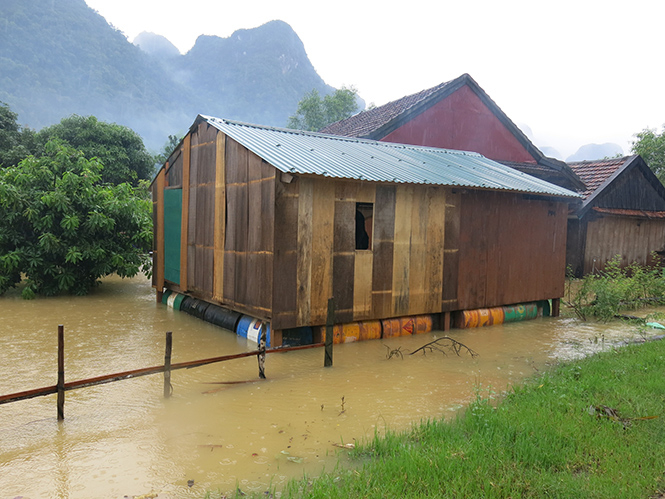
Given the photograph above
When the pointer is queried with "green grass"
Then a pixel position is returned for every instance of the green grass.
(543, 439)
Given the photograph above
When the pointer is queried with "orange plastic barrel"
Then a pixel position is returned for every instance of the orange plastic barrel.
(353, 331)
(480, 317)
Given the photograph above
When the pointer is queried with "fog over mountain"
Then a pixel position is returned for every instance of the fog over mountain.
(62, 58)
(590, 152)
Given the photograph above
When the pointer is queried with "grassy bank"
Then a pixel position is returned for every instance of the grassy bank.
(572, 432)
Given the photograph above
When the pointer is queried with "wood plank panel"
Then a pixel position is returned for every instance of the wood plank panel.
(285, 267)
(158, 222)
(344, 246)
(185, 212)
(404, 199)
(418, 252)
(473, 251)
(383, 237)
(220, 217)
(362, 288)
(323, 212)
(304, 275)
(434, 259)
(451, 252)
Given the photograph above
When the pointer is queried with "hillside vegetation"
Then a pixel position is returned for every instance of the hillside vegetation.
(62, 58)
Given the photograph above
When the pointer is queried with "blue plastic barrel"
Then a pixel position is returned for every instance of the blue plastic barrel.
(249, 327)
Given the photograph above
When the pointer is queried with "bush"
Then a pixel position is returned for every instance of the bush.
(62, 229)
(613, 290)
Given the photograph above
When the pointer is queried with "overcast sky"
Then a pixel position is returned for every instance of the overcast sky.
(574, 72)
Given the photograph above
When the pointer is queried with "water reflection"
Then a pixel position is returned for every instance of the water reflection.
(123, 439)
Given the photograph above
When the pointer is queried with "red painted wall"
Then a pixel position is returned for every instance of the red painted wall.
(461, 121)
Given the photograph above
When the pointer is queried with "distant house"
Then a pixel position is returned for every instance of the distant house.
(457, 114)
(265, 222)
(623, 213)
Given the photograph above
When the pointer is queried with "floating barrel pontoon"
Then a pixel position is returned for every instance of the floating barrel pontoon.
(498, 315)
(405, 326)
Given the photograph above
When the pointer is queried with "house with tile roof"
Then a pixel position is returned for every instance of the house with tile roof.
(271, 223)
(457, 114)
(622, 213)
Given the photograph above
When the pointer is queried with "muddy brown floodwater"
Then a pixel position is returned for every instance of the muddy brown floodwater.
(123, 439)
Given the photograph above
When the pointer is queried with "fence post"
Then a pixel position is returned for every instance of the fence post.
(167, 364)
(330, 320)
(61, 372)
(262, 351)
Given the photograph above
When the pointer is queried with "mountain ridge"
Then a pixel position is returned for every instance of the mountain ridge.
(63, 58)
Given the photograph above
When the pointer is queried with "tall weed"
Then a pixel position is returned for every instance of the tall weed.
(606, 294)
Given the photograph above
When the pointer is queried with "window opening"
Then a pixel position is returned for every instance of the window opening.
(364, 223)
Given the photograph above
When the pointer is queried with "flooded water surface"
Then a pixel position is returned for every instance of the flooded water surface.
(123, 439)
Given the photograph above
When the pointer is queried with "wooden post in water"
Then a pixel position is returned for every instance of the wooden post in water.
(61, 373)
(262, 351)
(167, 364)
(330, 320)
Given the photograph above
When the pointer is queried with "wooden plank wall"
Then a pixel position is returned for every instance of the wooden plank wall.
(632, 238)
(248, 250)
(157, 190)
(315, 255)
(201, 210)
(512, 249)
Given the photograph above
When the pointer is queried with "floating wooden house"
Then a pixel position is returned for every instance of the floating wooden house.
(457, 114)
(272, 223)
(623, 213)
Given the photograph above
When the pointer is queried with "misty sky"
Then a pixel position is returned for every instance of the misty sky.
(574, 72)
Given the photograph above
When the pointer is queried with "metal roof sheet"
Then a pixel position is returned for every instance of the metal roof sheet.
(299, 152)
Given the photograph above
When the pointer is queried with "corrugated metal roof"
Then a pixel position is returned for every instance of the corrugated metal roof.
(298, 152)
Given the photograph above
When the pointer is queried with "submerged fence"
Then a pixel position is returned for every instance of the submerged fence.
(61, 386)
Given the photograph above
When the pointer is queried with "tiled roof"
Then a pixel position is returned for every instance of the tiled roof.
(595, 173)
(630, 213)
(310, 153)
(365, 122)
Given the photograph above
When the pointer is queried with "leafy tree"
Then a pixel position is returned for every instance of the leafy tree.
(16, 142)
(62, 229)
(651, 146)
(120, 149)
(168, 148)
(314, 113)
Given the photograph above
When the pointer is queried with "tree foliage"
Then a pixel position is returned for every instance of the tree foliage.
(314, 113)
(16, 142)
(651, 146)
(62, 229)
(119, 148)
(168, 148)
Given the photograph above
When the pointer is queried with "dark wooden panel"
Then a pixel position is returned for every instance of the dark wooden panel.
(174, 171)
(343, 272)
(472, 250)
(284, 297)
(344, 245)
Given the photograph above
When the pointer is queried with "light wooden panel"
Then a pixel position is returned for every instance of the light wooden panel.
(220, 216)
(404, 200)
(323, 210)
(185, 211)
(304, 276)
(158, 220)
(434, 257)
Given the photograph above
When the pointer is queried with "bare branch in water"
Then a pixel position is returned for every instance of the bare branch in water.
(445, 344)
